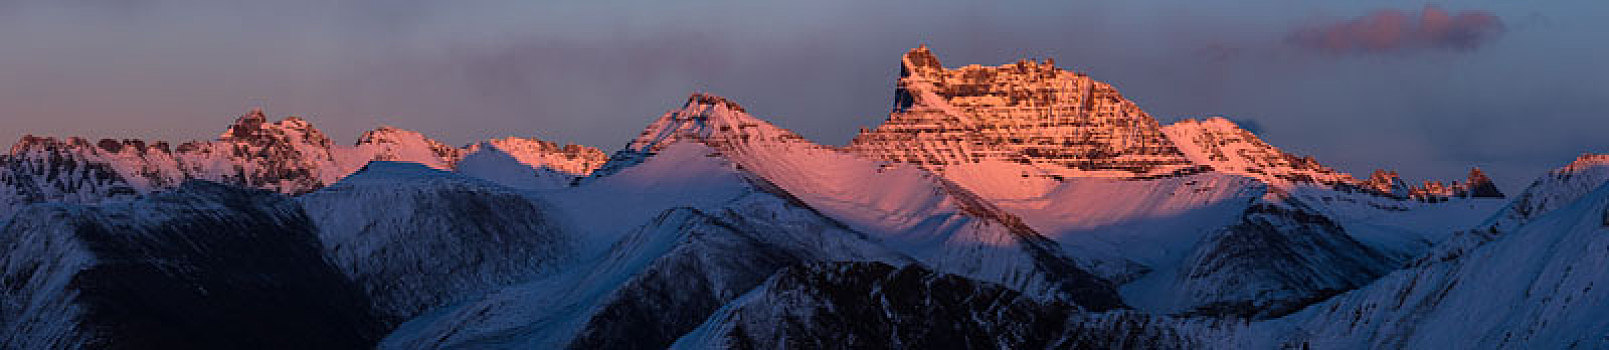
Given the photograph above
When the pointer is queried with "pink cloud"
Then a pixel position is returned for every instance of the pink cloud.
(1398, 31)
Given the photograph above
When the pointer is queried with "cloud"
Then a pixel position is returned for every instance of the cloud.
(1387, 31)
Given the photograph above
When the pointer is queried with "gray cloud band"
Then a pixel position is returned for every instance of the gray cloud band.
(1387, 31)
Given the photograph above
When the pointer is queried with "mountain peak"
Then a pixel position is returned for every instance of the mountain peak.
(389, 134)
(711, 100)
(1388, 182)
(30, 142)
(1480, 186)
(255, 128)
(247, 125)
(709, 119)
(919, 60)
(1025, 112)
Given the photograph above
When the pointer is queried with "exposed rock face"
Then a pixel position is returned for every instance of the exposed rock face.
(1480, 186)
(289, 156)
(1027, 112)
(205, 266)
(1389, 183)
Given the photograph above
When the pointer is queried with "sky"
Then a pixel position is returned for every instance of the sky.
(1427, 89)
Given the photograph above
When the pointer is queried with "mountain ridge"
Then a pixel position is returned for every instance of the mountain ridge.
(1043, 209)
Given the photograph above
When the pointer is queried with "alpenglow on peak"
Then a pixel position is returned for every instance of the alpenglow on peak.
(1027, 112)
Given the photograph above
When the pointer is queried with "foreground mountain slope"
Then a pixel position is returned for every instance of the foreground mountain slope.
(908, 209)
(1206, 243)
(1531, 287)
(1559, 188)
(204, 266)
(871, 305)
(715, 236)
(417, 238)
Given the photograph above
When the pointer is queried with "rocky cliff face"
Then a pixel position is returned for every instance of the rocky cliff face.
(922, 215)
(1026, 112)
(1480, 186)
(1389, 183)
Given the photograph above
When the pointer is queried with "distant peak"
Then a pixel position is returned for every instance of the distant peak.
(384, 133)
(709, 119)
(254, 127)
(1479, 185)
(248, 124)
(700, 98)
(30, 142)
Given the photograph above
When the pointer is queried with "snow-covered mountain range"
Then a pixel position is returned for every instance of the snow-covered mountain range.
(1017, 206)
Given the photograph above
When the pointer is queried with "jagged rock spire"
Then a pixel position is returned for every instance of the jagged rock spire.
(246, 126)
(1025, 112)
(1481, 186)
(1388, 182)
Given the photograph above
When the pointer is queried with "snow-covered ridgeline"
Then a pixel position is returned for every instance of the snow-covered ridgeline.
(909, 209)
(288, 156)
(417, 238)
